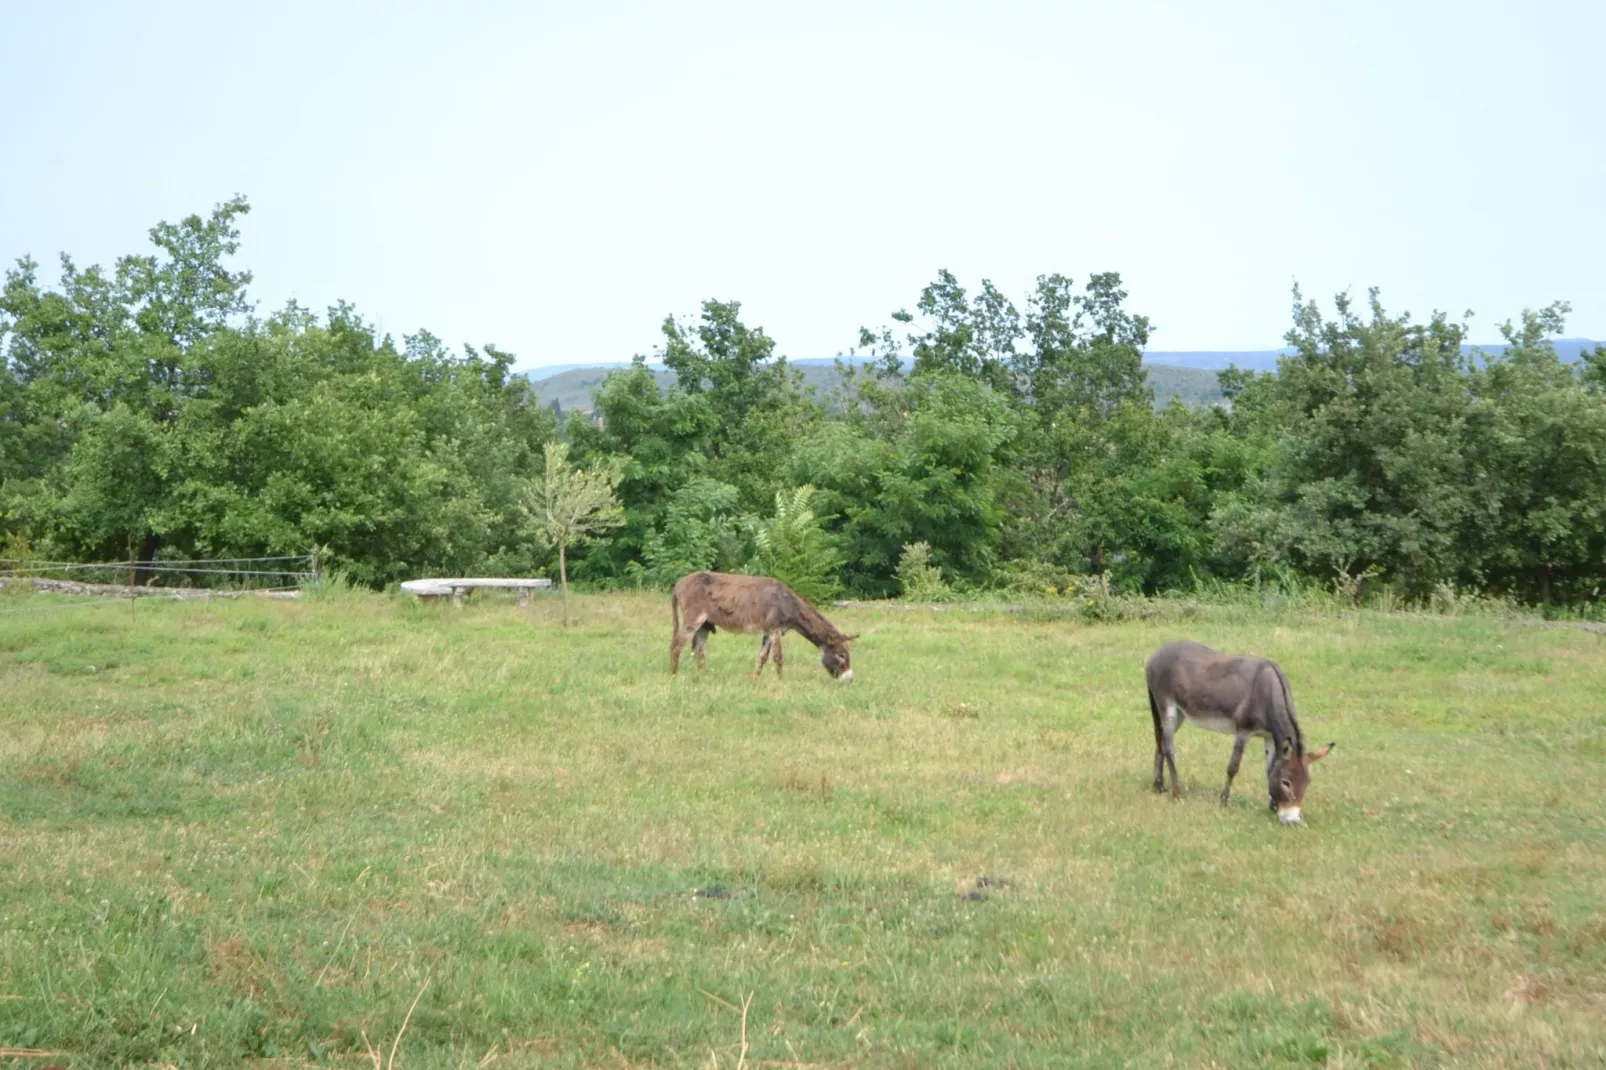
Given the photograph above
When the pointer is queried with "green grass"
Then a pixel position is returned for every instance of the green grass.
(254, 829)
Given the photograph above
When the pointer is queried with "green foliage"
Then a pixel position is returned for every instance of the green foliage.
(792, 546)
(568, 506)
(918, 579)
(661, 440)
(731, 419)
(1535, 443)
(1593, 370)
(1086, 357)
(756, 403)
(701, 530)
(332, 585)
(1370, 470)
(1397, 459)
(970, 338)
(149, 409)
(927, 463)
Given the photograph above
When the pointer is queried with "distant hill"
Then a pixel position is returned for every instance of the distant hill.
(1260, 360)
(1195, 387)
(1265, 360)
(573, 386)
(1189, 375)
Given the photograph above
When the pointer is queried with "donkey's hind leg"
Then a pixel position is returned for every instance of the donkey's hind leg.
(1159, 746)
(763, 655)
(1172, 721)
(698, 642)
(1166, 723)
(677, 641)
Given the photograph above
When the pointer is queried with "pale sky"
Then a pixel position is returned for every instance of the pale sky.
(556, 178)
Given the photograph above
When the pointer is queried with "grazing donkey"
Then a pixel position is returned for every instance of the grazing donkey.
(1235, 693)
(752, 604)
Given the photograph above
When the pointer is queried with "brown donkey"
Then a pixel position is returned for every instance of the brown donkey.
(751, 604)
(1237, 694)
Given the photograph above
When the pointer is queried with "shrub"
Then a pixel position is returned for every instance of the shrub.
(920, 580)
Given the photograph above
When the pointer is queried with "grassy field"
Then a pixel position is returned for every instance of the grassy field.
(360, 831)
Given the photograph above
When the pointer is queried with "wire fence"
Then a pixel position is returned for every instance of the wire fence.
(108, 581)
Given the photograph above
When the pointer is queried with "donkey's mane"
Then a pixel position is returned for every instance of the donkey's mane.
(812, 625)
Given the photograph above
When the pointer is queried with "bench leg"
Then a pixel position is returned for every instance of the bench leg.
(524, 596)
(457, 598)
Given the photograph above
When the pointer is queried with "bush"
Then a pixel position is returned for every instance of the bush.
(920, 580)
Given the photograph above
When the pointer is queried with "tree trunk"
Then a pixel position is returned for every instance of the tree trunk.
(149, 543)
(563, 576)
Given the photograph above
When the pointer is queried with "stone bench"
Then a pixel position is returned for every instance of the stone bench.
(456, 587)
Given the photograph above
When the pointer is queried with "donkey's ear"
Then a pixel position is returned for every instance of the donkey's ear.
(1318, 754)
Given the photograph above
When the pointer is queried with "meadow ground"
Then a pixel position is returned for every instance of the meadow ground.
(360, 831)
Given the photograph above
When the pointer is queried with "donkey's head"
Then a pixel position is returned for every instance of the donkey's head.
(834, 656)
(1288, 777)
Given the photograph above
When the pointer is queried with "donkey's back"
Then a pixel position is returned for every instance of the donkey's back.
(1217, 691)
(735, 602)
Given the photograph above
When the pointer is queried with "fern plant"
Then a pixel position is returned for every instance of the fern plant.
(793, 547)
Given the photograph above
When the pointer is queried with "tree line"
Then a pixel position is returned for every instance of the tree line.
(972, 444)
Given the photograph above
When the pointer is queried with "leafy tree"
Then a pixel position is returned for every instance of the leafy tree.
(150, 405)
(702, 529)
(974, 338)
(757, 406)
(1086, 354)
(569, 505)
(1536, 449)
(1592, 370)
(929, 468)
(660, 440)
(1369, 475)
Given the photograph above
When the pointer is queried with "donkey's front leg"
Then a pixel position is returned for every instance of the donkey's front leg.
(776, 645)
(1232, 766)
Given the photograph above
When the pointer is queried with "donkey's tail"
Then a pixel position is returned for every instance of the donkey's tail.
(674, 611)
(1159, 731)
